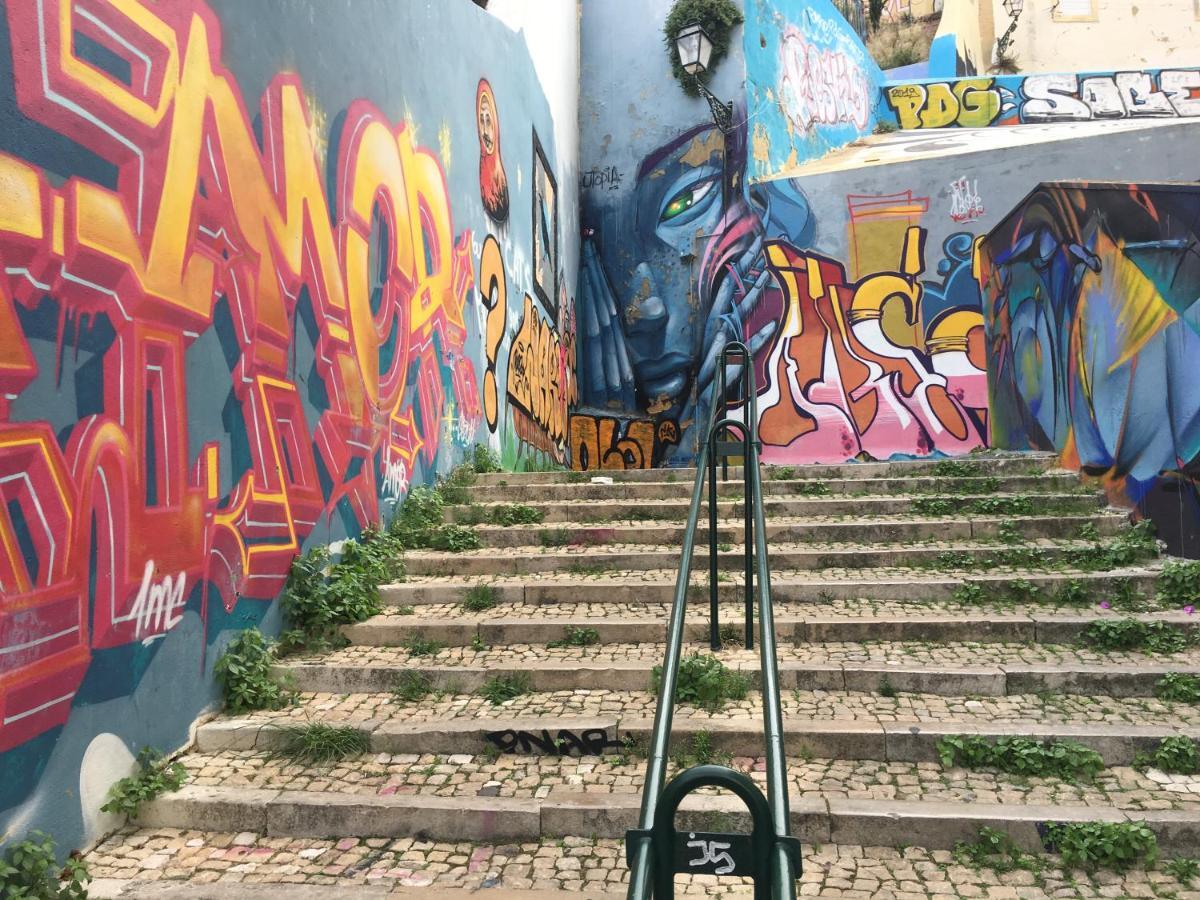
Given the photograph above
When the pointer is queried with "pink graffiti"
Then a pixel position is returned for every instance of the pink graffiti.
(821, 87)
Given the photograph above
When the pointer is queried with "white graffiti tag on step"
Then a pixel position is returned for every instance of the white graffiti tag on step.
(965, 202)
(158, 606)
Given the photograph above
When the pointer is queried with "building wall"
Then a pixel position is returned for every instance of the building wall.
(1090, 294)
(811, 85)
(262, 273)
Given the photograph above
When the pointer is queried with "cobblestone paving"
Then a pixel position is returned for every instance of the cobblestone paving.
(899, 653)
(539, 777)
(577, 866)
(801, 706)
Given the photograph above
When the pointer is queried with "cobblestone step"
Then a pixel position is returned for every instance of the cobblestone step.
(675, 511)
(584, 583)
(1023, 463)
(511, 492)
(454, 628)
(815, 819)
(597, 548)
(619, 736)
(949, 669)
(858, 531)
(190, 865)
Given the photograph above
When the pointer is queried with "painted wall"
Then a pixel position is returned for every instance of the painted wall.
(1093, 334)
(1031, 99)
(811, 85)
(265, 266)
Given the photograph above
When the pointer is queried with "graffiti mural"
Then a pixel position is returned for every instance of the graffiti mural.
(1090, 295)
(607, 442)
(1021, 99)
(226, 329)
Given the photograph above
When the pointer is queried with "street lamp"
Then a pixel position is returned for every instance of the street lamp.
(1014, 9)
(695, 52)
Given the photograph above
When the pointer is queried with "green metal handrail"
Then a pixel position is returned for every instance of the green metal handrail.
(652, 848)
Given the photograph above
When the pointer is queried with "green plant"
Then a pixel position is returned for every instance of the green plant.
(1001, 506)
(417, 517)
(1108, 845)
(154, 777)
(724, 547)
(886, 688)
(700, 752)
(28, 869)
(1021, 756)
(484, 460)
(501, 688)
(781, 473)
(1088, 532)
(405, 611)
(411, 686)
(811, 489)
(1183, 869)
(1179, 687)
(577, 477)
(932, 506)
(477, 643)
(875, 11)
(995, 850)
(554, 537)
(318, 742)
(516, 514)
(577, 637)
(1133, 634)
(416, 645)
(1178, 753)
(970, 592)
(454, 539)
(480, 597)
(1009, 533)
(704, 681)
(729, 633)
(718, 18)
(1179, 583)
(1071, 593)
(244, 673)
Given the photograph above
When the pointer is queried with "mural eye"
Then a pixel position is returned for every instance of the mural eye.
(685, 200)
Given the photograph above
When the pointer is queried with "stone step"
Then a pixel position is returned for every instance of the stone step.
(859, 530)
(178, 864)
(456, 630)
(510, 492)
(675, 511)
(576, 736)
(598, 547)
(493, 819)
(949, 669)
(1022, 463)
(583, 582)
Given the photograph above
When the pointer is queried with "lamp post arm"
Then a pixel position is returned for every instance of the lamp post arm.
(722, 113)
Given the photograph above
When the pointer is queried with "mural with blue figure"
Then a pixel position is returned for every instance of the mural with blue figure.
(1093, 333)
(811, 85)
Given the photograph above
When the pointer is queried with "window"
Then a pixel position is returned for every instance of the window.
(1075, 10)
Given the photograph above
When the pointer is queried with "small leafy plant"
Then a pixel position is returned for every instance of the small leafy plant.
(811, 489)
(1134, 634)
(577, 637)
(516, 514)
(155, 776)
(28, 869)
(502, 688)
(1179, 687)
(705, 681)
(932, 506)
(244, 673)
(1107, 845)
(411, 686)
(1178, 753)
(700, 752)
(554, 537)
(317, 743)
(1183, 869)
(1179, 583)
(485, 460)
(995, 850)
(481, 597)
(1071, 593)
(416, 645)
(1021, 756)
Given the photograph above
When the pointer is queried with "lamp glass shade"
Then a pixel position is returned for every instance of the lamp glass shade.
(695, 49)
(1014, 7)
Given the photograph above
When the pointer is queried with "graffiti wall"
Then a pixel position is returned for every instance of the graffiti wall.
(1024, 99)
(811, 85)
(250, 295)
(1090, 295)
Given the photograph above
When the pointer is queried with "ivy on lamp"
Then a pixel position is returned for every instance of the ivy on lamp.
(697, 34)
(695, 55)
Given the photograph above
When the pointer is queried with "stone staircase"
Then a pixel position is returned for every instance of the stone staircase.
(883, 652)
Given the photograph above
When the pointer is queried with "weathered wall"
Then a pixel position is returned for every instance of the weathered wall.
(906, 229)
(266, 265)
(1033, 99)
(1091, 300)
(811, 85)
